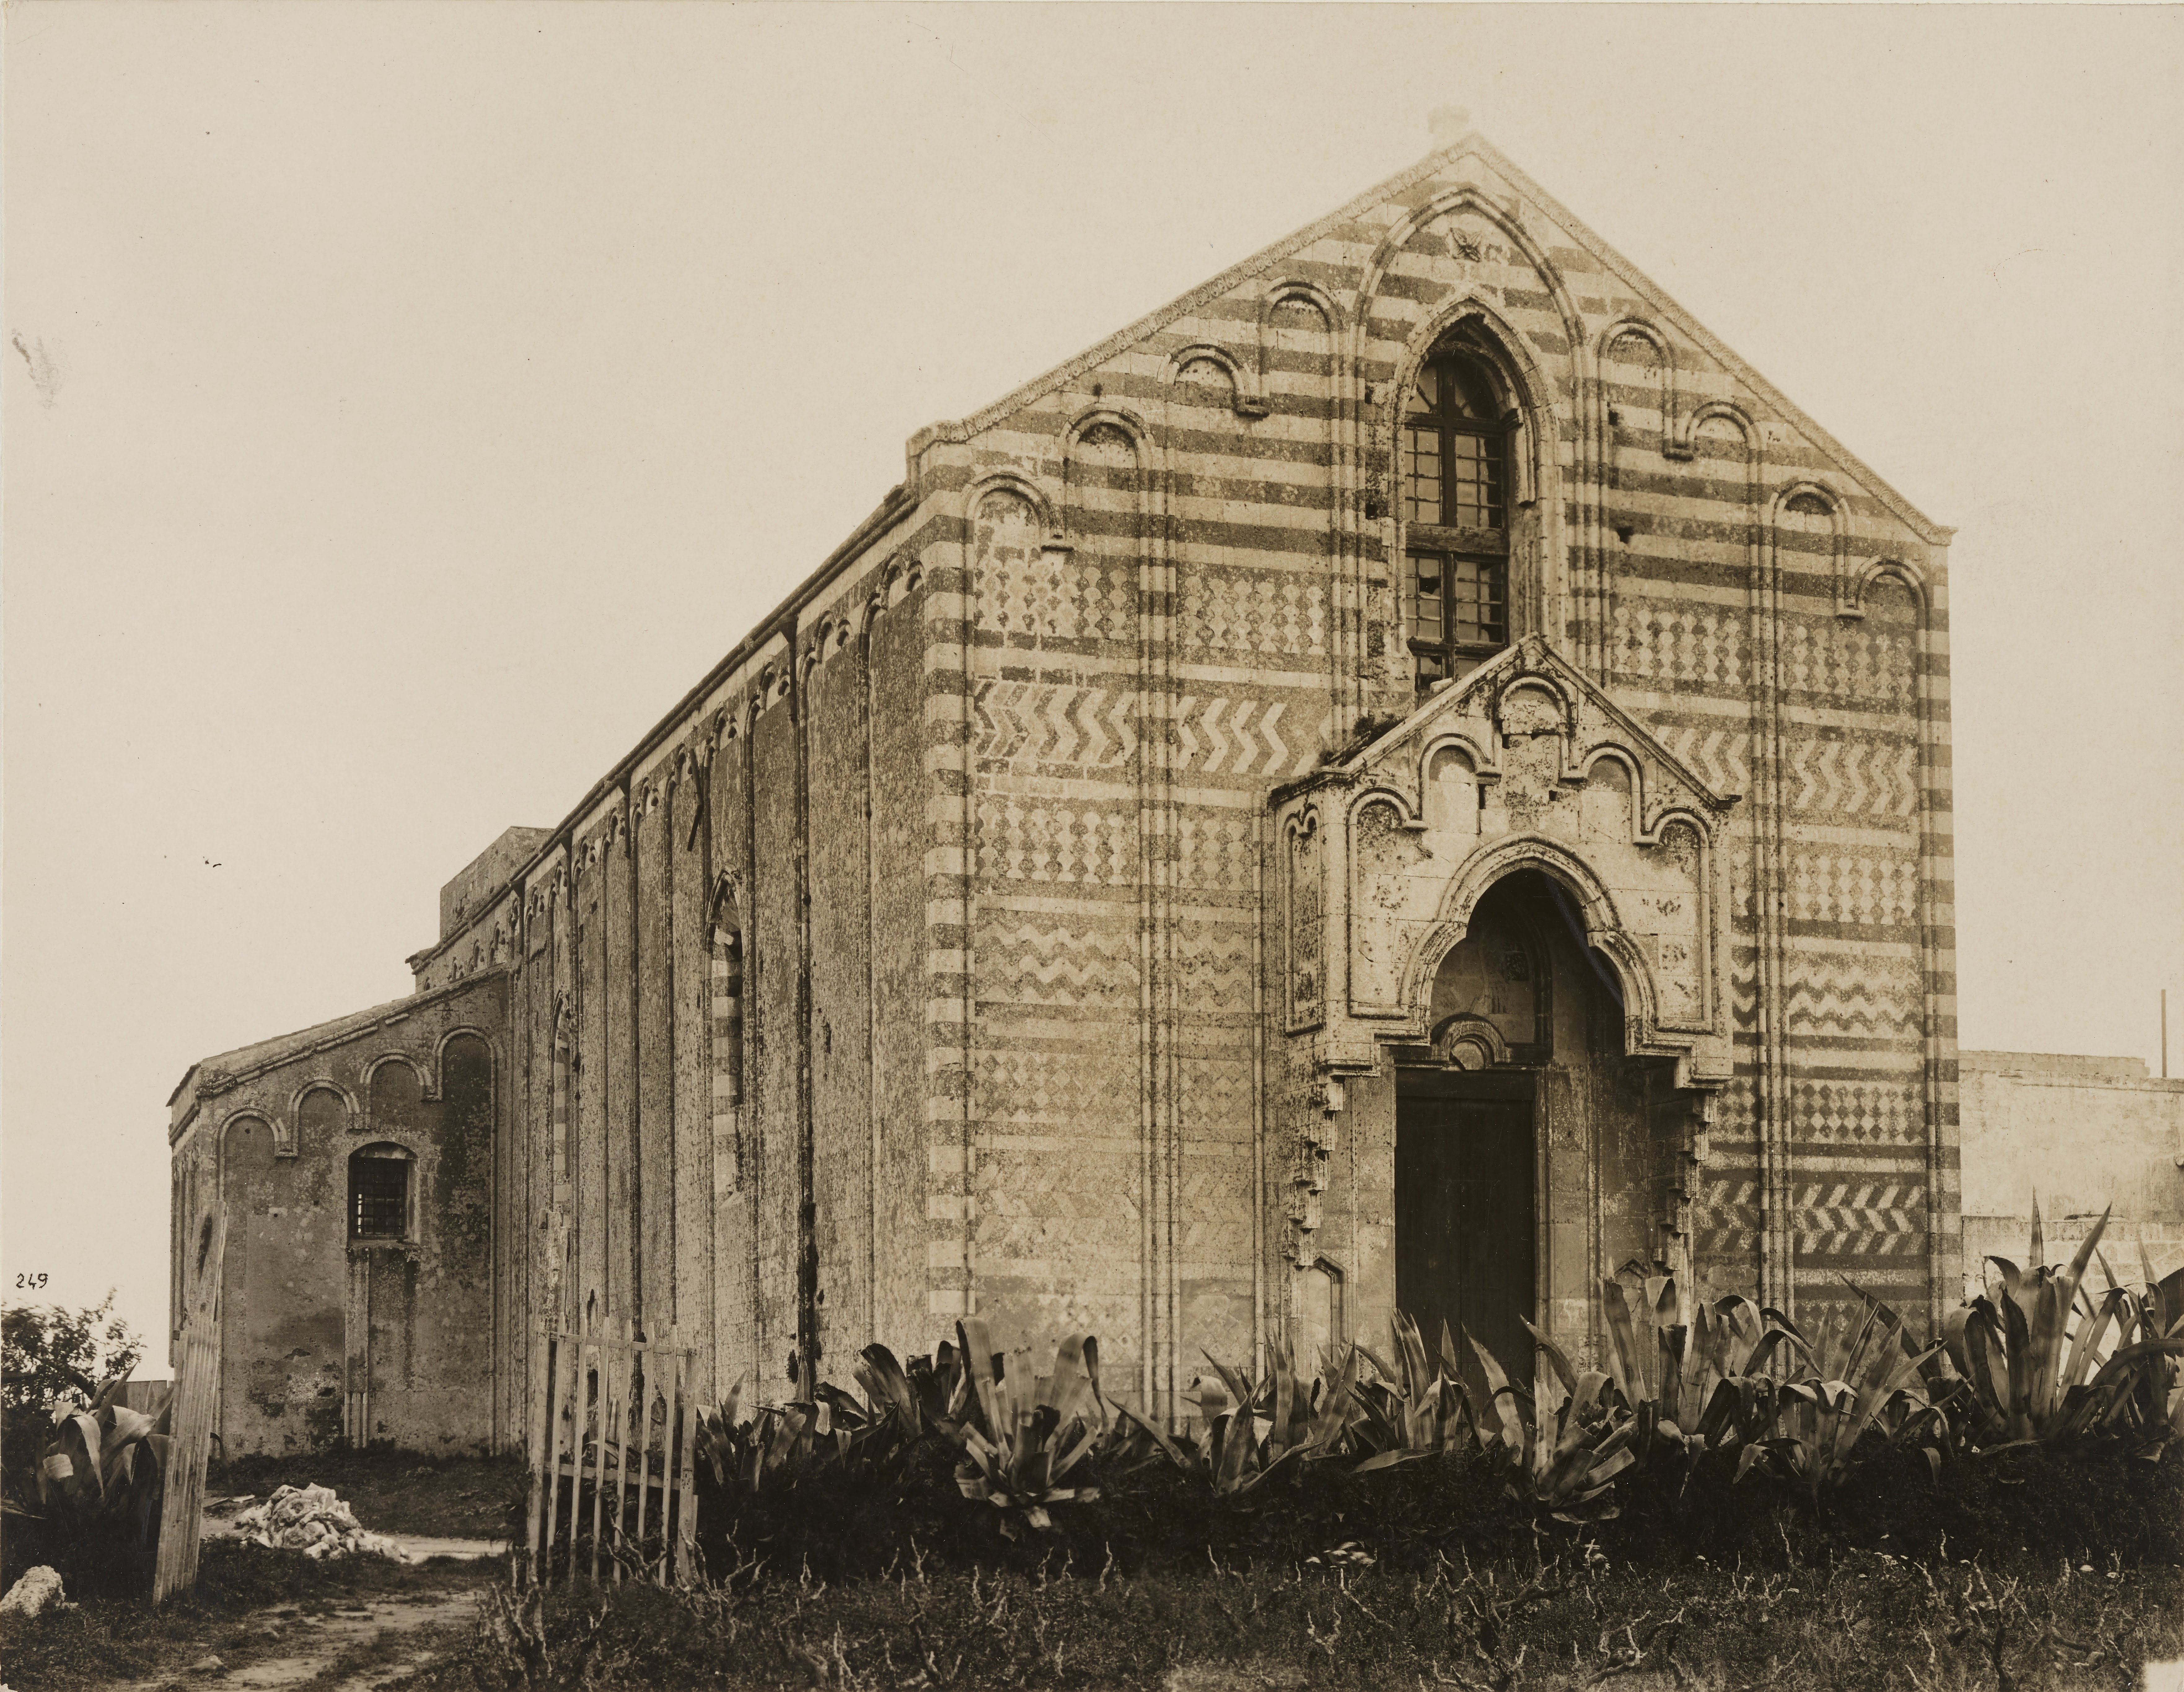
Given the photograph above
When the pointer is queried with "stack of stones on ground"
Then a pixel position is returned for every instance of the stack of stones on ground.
(1409, 775)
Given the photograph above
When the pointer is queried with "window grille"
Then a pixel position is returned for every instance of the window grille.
(378, 1197)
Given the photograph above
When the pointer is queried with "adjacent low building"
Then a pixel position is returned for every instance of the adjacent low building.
(2080, 1135)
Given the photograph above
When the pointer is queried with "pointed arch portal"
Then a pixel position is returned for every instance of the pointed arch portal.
(1500, 924)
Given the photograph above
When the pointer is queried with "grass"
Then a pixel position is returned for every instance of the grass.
(1574, 1619)
(2022, 1570)
(241, 1589)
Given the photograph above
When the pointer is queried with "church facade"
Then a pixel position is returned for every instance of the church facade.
(1409, 775)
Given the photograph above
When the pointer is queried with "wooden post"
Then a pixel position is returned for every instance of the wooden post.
(534, 1448)
(683, 1470)
(196, 1386)
(647, 1388)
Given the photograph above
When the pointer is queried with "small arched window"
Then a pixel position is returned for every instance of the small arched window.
(379, 1193)
(1456, 430)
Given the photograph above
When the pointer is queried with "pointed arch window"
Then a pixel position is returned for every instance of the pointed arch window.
(1455, 435)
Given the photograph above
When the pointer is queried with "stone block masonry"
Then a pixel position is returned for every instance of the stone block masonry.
(1094, 893)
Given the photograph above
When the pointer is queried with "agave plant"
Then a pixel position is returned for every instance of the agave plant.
(1562, 1441)
(1256, 1430)
(772, 1449)
(1691, 1377)
(1026, 1435)
(2158, 1395)
(101, 1479)
(2047, 1363)
(932, 1394)
(1857, 1363)
(1415, 1409)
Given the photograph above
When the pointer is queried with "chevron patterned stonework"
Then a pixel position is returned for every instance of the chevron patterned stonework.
(1054, 909)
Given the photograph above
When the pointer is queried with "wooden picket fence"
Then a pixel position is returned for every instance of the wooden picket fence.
(195, 1397)
(613, 1428)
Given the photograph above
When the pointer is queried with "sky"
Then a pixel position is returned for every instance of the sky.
(404, 405)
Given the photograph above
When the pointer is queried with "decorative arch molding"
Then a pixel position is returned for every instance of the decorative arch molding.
(1537, 575)
(1466, 197)
(1721, 410)
(1605, 931)
(1464, 1041)
(1280, 293)
(1291, 289)
(1836, 566)
(1850, 602)
(287, 1146)
(324, 1083)
(1006, 482)
(1246, 398)
(372, 1068)
(1675, 440)
(905, 577)
(1634, 771)
(1527, 377)
(284, 1138)
(1388, 863)
(1471, 744)
(1104, 415)
(464, 1030)
(427, 1091)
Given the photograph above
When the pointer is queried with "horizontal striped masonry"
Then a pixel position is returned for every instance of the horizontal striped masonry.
(964, 915)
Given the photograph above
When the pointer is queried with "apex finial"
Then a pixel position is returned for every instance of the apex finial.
(1448, 125)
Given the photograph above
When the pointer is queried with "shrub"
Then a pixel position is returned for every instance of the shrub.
(54, 1359)
(2047, 1362)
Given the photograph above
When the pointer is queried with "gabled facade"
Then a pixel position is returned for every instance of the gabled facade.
(1409, 775)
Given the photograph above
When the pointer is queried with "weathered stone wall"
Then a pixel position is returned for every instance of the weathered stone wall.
(2081, 1134)
(920, 962)
(325, 1336)
(1179, 593)
(723, 1007)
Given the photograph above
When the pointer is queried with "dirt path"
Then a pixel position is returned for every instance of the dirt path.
(315, 1644)
(353, 1644)
(354, 1648)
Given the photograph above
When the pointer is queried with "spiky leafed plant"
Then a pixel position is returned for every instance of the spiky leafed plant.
(1414, 1409)
(1855, 1364)
(2049, 1363)
(101, 1479)
(777, 1445)
(1256, 1430)
(1691, 1374)
(932, 1395)
(1563, 1440)
(1024, 1434)
(2157, 1395)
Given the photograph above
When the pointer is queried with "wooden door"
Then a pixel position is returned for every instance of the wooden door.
(1464, 1224)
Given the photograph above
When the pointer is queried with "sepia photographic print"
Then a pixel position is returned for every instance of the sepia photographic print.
(1093, 846)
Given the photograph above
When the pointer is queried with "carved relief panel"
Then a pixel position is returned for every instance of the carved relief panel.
(1523, 763)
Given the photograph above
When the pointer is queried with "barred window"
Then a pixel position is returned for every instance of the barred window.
(1455, 454)
(379, 1193)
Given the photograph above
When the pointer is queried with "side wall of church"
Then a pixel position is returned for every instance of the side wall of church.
(720, 1009)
